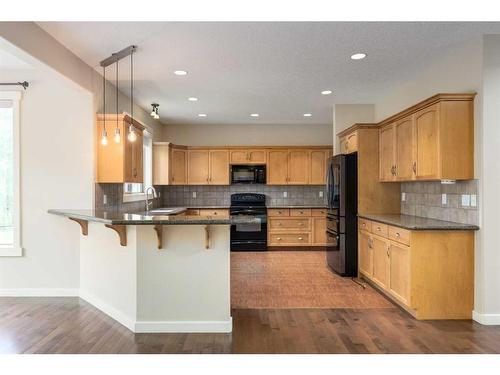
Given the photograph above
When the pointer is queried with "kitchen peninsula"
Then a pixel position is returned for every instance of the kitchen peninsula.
(157, 272)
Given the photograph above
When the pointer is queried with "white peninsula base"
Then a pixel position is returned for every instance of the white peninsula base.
(183, 287)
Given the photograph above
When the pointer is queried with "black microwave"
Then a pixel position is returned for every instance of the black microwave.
(248, 174)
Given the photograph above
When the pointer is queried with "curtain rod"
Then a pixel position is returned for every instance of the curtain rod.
(25, 84)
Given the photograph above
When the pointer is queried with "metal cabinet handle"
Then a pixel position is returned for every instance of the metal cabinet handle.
(301, 212)
(398, 235)
(378, 228)
(414, 167)
(278, 238)
(215, 213)
(300, 238)
(364, 225)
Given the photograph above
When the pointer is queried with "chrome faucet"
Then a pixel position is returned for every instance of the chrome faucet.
(148, 203)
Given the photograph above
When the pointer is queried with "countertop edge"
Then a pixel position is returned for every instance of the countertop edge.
(451, 227)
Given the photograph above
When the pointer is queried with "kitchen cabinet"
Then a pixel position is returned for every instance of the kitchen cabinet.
(208, 167)
(248, 156)
(178, 166)
(318, 165)
(349, 143)
(277, 167)
(119, 162)
(169, 164)
(319, 231)
(430, 273)
(433, 140)
(298, 167)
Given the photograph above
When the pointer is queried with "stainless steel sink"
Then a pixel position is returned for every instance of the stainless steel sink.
(163, 211)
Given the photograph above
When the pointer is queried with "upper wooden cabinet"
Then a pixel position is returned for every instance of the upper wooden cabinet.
(248, 156)
(433, 140)
(297, 166)
(349, 143)
(178, 166)
(208, 167)
(169, 164)
(277, 167)
(119, 162)
(318, 165)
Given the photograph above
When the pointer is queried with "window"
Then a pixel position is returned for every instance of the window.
(10, 242)
(133, 192)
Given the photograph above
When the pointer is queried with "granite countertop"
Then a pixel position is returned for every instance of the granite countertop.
(418, 223)
(141, 218)
(297, 206)
(227, 207)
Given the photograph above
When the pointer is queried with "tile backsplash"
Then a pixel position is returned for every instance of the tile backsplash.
(221, 195)
(424, 198)
(114, 197)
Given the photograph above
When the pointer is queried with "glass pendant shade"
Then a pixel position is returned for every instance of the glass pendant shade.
(131, 135)
(117, 135)
(104, 139)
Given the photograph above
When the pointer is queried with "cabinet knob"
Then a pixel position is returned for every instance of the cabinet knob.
(278, 238)
(215, 213)
(398, 235)
(363, 225)
(300, 238)
(378, 228)
(301, 224)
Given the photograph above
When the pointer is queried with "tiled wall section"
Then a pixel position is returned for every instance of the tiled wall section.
(221, 195)
(424, 199)
(114, 196)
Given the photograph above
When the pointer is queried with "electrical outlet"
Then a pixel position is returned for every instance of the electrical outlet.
(403, 197)
(465, 200)
(104, 199)
(194, 194)
(320, 194)
(473, 200)
(285, 194)
(444, 199)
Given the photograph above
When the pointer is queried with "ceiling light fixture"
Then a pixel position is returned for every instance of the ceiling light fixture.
(254, 114)
(202, 115)
(193, 99)
(180, 72)
(358, 56)
(326, 92)
(307, 114)
(154, 112)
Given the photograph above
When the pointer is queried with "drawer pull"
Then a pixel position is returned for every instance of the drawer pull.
(278, 238)
(301, 224)
(215, 213)
(280, 212)
(300, 238)
(364, 225)
(378, 228)
(301, 212)
(398, 235)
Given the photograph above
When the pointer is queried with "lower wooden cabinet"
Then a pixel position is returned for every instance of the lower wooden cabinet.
(296, 227)
(429, 273)
(207, 212)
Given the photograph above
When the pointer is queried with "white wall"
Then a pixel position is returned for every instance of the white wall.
(56, 171)
(242, 135)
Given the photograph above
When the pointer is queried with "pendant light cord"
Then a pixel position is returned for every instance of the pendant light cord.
(117, 94)
(104, 95)
(132, 86)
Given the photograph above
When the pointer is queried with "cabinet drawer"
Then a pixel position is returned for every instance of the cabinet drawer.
(399, 235)
(365, 225)
(380, 229)
(318, 212)
(207, 212)
(278, 212)
(289, 223)
(289, 239)
(192, 212)
(300, 212)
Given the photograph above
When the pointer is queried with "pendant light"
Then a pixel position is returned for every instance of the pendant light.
(131, 134)
(117, 129)
(104, 137)
(154, 112)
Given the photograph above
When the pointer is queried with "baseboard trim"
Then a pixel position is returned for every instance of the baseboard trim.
(219, 326)
(486, 319)
(117, 315)
(39, 292)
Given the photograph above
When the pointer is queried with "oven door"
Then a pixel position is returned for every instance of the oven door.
(335, 254)
(249, 237)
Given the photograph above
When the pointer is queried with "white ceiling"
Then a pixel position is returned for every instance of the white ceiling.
(276, 69)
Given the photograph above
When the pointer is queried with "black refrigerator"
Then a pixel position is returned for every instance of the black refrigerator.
(342, 221)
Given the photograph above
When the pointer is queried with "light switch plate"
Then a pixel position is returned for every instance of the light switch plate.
(465, 200)
(194, 194)
(473, 200)
(444, 199)
(403, 197)
(285, 194)
(320, 194)
(104, 199)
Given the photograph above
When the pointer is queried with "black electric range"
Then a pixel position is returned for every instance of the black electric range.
(249, 237)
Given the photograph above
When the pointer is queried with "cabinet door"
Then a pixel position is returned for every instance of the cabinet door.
(319, 160)
(400, 272)
(257, 156)
(380, 248)
(161, 161)
(365, 254)
(239, 156)
(298, 167)
(404, 149)
(198, 163)
(137, 159)
(319, 231)
(179, 167)
(277, 167)
(219, 167)
(427, 143)
(387, 153)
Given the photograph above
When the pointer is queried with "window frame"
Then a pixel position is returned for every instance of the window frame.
(16, 249)
(139, 196)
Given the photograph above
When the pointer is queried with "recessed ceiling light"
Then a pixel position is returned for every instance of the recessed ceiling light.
(193, 99)
(326, 92)
(180, 72)
(358, 56)
(254, 114)
(202, 115)
(307, 114)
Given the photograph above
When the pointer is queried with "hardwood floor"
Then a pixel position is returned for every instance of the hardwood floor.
(295, 279)
(70, 325)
